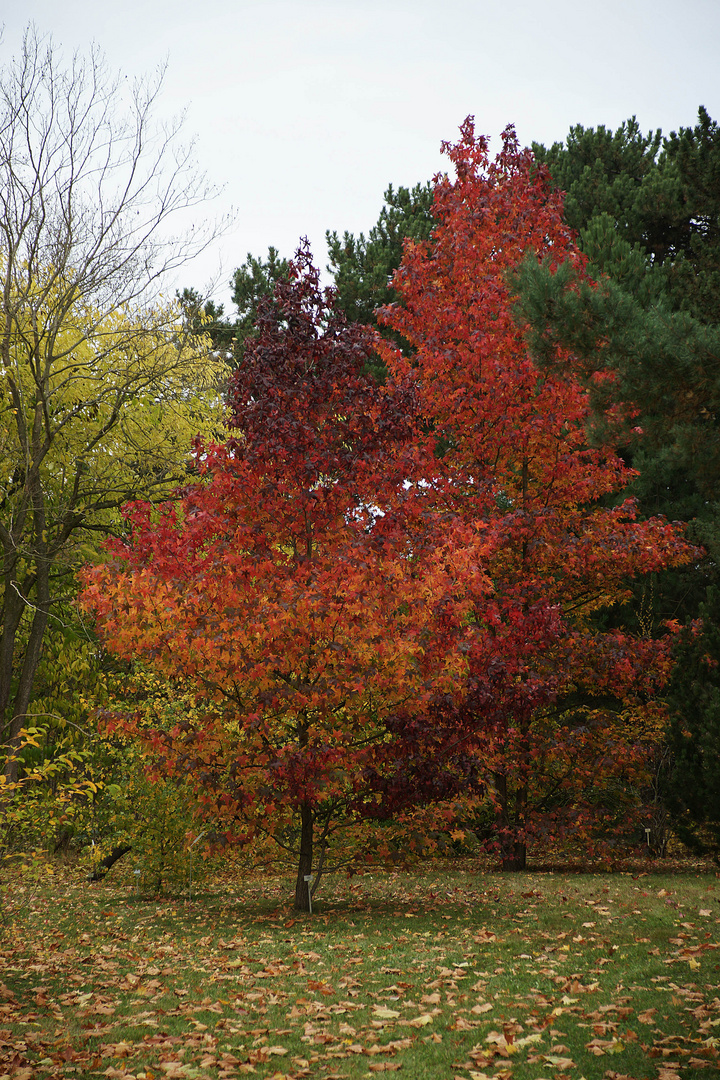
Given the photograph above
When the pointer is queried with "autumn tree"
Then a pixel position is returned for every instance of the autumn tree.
(297, 586)
(361, 268)
(100, 388)
(553, 706)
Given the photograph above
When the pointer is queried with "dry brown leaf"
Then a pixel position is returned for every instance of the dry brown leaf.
(121, 1049)
(460, 1024)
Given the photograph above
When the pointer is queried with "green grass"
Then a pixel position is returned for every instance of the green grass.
(439, 974)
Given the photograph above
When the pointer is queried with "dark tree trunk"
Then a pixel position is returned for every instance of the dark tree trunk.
(513, 851)
(307, 822)
(14, 605)
(33, 649)
(104, 865)
(514, 856)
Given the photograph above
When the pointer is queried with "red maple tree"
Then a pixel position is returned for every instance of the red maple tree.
(553, 706)
(300, 585)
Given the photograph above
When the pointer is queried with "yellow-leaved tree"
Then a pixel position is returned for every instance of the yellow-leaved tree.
(102, 387)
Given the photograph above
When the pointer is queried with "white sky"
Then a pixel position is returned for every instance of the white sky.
(305, 111)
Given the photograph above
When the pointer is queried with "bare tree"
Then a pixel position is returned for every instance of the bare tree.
(99, 387)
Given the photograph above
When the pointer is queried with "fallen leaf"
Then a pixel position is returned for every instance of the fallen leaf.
(121, 1049)
(529, 1040)
(598, 1047)
(421, 1021)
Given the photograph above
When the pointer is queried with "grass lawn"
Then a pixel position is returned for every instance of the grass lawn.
(443, 974)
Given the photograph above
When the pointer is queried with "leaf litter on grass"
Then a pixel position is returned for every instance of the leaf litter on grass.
(596, 977)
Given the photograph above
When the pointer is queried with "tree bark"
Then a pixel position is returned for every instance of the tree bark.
(104, 865)
(33, 649)
(13, 608)
(302, 892)
(515, 856)
(513, 851)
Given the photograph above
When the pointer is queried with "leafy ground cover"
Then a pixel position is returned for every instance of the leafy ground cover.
(446, 973)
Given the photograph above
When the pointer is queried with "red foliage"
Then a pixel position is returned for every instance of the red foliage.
(300, 585)
(548, 693)
(367, 622)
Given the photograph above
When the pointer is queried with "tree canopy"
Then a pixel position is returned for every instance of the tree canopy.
(289, 586)
(548, 691)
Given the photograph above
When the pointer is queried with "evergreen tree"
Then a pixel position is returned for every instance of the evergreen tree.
(694, 277)
(662, 197)
(646, 210)
(363, 267)
(252, 282)
(694, 785)
(201, 316)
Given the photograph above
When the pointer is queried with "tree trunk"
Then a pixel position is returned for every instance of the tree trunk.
(33, 649)
(513, 851)
(514, 856)
(302, 892)
(104, 865)
(13, 607)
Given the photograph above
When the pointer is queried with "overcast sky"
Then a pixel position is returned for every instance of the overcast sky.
(305, 111)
